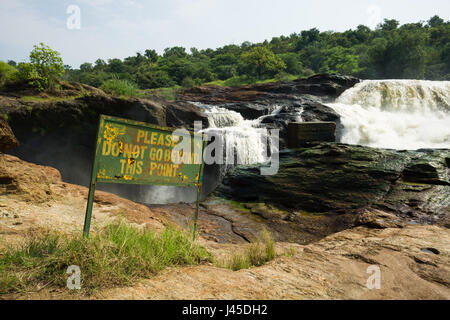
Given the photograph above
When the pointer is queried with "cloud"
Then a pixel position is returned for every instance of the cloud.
(119, 28)
(94, 3)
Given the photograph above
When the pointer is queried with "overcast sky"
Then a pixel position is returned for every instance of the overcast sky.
(120, 28)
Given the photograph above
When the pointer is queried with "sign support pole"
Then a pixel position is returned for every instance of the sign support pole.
(92, 184)
(90, 203)
(199, 188)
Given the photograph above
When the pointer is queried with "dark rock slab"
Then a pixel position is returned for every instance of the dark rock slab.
(339, 178)
(300, 133)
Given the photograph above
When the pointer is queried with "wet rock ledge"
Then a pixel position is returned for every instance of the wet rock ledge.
(327, 178)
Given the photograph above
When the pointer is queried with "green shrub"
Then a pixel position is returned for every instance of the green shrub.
(8, 73)
(44, 69)
(120, 87)
(188, 82)
(118, 255)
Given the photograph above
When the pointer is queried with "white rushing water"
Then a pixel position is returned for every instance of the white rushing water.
(397, 114)
(243, 141)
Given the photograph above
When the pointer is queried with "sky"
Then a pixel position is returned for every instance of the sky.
(85, 30)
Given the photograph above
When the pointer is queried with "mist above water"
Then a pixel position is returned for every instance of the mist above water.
(397, 114)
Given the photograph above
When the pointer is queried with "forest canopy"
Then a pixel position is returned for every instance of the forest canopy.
(410, 51)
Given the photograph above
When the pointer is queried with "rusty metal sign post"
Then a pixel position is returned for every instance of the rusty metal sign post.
(135, 152)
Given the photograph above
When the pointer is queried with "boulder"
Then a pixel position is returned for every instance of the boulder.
(300, 133)
(378, 219)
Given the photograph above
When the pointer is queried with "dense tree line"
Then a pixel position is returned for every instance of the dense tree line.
(410, 51)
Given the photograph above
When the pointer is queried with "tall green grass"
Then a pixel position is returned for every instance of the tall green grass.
(120, 87)
(118, 255)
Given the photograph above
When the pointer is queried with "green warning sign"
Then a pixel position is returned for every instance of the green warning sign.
(139, 153)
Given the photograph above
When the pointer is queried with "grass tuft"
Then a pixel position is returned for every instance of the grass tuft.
(257, 254)
(118, 255)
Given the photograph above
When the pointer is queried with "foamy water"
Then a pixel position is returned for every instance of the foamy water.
(398, 114)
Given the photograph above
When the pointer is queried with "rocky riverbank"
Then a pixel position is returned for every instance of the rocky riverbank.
(59, 130)
(413, 259)
(338, 209)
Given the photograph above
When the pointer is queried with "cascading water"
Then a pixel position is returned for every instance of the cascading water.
(244, 141)
(397, 114)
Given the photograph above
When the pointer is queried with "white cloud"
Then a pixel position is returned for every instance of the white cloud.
(94, 3)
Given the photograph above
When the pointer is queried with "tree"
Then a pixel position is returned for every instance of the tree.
(151, 55)
(115, 66)
(292, 62)
(100, 64)
(86, 67)
(148, 76)
(45, 68)
(388, 25)
(176, 52)
(342, 61)
(263, 59)
(224, 65)
(415, 50)
(400, 55)
(435, 21)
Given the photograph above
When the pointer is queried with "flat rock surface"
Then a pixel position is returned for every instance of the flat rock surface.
(336, 267)
(333, 268)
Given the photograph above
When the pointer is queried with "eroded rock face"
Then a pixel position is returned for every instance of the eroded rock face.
(338, 178)
(60, 131)
(322, 85)
(24, 180)
(8, 140)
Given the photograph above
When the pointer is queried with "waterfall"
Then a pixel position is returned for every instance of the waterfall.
(397, 114)
(244, 141)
